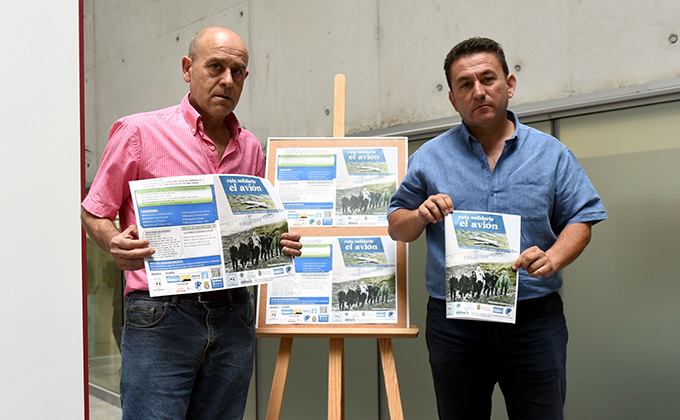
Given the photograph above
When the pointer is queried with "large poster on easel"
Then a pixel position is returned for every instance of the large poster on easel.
(336, 186)
(351, 274)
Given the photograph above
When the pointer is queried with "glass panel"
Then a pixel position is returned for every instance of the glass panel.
(633, 130)
(544, 126)
(621, 295)
(104, 317)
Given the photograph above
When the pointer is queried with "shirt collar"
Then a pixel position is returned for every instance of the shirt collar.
(511, 116)
(193, 118)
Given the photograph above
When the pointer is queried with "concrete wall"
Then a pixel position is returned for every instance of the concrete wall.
(391, 51)
(41, 356)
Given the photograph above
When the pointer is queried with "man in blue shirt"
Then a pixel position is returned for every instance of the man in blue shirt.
(492, 163)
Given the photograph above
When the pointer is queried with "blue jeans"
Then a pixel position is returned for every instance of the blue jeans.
(186, 359)
(527, 360)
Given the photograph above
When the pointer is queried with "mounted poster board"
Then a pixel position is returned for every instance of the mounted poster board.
(352, 277)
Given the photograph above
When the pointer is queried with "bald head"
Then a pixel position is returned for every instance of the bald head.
(215, 70)
(218, 33)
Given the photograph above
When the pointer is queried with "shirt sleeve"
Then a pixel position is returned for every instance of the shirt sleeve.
(576, 200)
(119, 165)
(259, 171)
(411, 192)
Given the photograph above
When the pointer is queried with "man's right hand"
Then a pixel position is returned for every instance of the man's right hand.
(128, 250)
(125, 247)
(435, 208)
(407, 225)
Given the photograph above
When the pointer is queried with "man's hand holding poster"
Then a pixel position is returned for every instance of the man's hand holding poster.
(210, 232)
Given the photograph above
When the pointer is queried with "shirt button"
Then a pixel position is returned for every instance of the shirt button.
(493, 193)
(193, 131)
(212, 148)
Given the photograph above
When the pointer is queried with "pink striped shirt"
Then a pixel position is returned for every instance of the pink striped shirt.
(167, 142)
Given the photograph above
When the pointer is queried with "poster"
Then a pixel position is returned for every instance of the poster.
(480, 250)
(336, 186)
(340, 280)
(210, 232)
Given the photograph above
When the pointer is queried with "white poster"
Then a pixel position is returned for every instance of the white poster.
(340, 280)
(210, 232)
(480, 250)
(336, 186)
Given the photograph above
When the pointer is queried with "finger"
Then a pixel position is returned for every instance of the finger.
(123, 243)
(293, 236)
(425, 215)
(542, 267)
(440, 209)
(448, 202)
(293, 252)
(519, 261)
(526, 258)
(131, 232)
(444, 203)
(132, 254)
(538, 271)
(129, 239)
(131, 260)
(291, 244)
(536, 263)
(430, 210)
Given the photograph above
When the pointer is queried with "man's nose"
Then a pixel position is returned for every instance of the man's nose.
(227, 79)
(478, 89)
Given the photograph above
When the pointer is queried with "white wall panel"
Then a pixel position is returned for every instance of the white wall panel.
(41, 356)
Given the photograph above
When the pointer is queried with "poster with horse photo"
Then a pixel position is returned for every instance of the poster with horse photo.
(336, 186)
(210, 232)
(343, 280)
(480, 250)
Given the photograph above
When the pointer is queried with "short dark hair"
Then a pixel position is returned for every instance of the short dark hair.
(473, 46)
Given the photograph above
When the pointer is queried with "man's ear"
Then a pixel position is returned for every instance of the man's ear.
(512, 84)
(452, 100)
(186, 69)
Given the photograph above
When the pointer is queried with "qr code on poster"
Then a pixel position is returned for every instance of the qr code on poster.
(327, 213)
(323, 309)
(215, 272)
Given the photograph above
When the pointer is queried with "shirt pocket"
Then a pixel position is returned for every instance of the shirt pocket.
(532, 199)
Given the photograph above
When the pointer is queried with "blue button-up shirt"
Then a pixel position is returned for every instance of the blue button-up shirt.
(536, 177)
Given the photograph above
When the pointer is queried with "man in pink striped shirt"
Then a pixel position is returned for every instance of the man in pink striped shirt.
(190, 356)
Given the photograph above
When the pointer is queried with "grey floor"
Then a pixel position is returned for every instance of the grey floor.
(102, 410)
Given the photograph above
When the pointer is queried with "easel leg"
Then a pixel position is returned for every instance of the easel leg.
(280, 375)
(336, 379)
(391, 383)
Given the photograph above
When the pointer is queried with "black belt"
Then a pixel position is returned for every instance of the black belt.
(527, 310)
(544, 306)
(237, 295)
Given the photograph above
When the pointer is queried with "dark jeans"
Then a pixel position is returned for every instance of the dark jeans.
(527, 360)
(186, 358)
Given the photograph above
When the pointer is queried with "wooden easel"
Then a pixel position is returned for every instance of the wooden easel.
(336, 365)
(336, 350)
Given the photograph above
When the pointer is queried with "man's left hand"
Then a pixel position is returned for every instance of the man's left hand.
(569, 245)
(536, 262)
